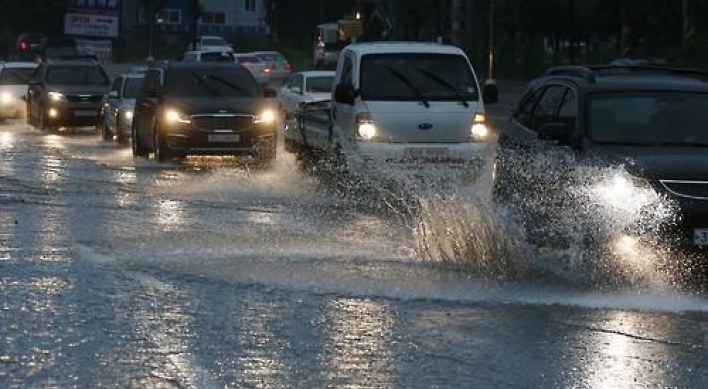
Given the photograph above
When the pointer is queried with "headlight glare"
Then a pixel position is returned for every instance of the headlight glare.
(173, 117)
(366, 130)
(480, 131)
(267, 117)
(5, 98)
(128, 115)
(56, 96)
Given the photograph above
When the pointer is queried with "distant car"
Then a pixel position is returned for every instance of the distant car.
(118, 107)
(258, 68)
(305, 87)
(66, 93)
(650, 121)
(212, 43)
(208, 56)
(14, 77)
(203, 108)
(280, 67)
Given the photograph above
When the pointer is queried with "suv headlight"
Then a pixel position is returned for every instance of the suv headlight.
(56, 96)
(174, 117)
(365, 127)
(480, 132)
(265, 117)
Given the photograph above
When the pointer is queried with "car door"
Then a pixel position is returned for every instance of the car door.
(147, 105)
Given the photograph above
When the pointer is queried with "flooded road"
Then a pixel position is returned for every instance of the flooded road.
(128, 273)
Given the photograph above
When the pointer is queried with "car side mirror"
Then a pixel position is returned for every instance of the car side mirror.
(296, 89)
(554, 131)
(113, 94)
(490, 94)
(269, 93)
(344, 94)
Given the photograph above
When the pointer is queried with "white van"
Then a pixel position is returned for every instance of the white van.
(400, 101)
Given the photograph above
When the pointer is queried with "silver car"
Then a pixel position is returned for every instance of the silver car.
(280, 67)
(14, 77)
(118, 107)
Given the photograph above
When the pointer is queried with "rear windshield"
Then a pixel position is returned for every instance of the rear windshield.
(248, 59)
(15, 76)
(415, 76)
(206, 82)
(76, 75)
(132, 87)
(275, 58)
(217, 57)
(649, 118)
(319, 84)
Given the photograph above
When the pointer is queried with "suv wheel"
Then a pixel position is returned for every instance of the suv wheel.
(137, 146)
(161, 149)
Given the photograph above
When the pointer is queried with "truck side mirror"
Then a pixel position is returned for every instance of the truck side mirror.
(490, 94)
(345, 94)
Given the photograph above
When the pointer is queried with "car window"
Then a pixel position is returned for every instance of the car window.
(547, 107)
(132, 87)
(641, 118)
(76, 75)
(115, 86)
(209, 82)
(15, 76)
(441, 77)
(524, 114)
(297, 82)
(319, 84)
(248, 59)
(568, 112)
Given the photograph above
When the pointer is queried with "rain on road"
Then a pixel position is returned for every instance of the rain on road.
(128, 273)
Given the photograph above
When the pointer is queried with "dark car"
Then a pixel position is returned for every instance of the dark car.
(66, 93)
(651, 121)
(203, 109)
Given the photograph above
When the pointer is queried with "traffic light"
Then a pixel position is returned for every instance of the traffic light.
(22, 46)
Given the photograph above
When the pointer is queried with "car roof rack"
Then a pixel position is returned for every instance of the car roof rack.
(591, 72)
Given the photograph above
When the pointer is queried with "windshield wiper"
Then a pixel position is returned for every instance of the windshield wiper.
(446, 84)
(409, 84)
(223, 82)
(200, 78)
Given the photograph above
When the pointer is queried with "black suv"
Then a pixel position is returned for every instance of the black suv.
(652, 122)
(203, 108)
(66, 93)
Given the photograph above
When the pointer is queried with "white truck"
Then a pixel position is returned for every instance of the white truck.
(397, 102)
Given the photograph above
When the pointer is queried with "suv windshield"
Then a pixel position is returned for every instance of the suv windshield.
(205, 82)
(76, 75)
(132, 87)
(15, 76)
(412, 77)
(656, 118)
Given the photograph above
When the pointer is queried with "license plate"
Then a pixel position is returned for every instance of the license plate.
(700, 237)
(427, 152)
(84, 113)
(224, 138)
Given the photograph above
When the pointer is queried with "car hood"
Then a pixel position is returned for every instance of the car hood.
(78, 89)
(205, 105)
(663, 163)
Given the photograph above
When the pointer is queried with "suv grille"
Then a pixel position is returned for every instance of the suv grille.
(222, 122)
(689, 189)
(84, 98)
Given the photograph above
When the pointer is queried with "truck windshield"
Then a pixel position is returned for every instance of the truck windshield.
(649, 118)
(76, 75)
(434, 77)
(208, 82)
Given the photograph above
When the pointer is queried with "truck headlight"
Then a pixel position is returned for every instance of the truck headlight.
(56, 96)
(365, 127)
(173, 117)
(266, 117)
(480, 131)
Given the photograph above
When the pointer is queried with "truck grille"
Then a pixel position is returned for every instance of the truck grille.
(689, 189)
(222, 122)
